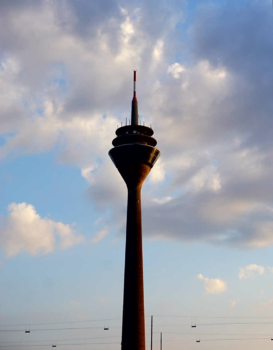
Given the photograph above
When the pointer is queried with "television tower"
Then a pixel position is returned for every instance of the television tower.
(134, 154)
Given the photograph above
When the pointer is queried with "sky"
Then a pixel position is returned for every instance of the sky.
(205, 82)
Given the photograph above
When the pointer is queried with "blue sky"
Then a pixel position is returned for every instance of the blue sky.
(204, 83)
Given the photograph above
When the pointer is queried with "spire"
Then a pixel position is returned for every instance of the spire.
(134, 115)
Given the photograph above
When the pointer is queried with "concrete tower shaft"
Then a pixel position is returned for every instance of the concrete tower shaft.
(134, 155)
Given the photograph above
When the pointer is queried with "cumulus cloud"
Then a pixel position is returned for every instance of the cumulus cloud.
(175, 69)
(211, 113)
(213, 285)
(251, 270)
(23, 230)
(158, 50)
(162, 200)
(158, 173)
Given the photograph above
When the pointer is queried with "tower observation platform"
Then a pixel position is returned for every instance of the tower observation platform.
(134, 154)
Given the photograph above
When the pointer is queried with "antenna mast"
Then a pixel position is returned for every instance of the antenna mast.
(134, 115)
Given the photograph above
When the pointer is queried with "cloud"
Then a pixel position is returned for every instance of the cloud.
(23, 230)
(175, 69)
(162, 200)
(158, 173)
(100, 235)
(106, 187)
(158, 50)
(209, 103)
(251, 271)
(213, 285)
(270, 268)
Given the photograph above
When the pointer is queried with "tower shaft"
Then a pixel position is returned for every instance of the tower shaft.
(133, 324)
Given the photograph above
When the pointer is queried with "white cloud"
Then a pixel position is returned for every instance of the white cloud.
(23, 230)
(213, 285)
(163, 200)
(100, 235)
(207, 178)
(270, 268)
(210, 73)
(127, 29)
(123, 11)
(48, 101)
(158, 50)
(87, 174)
(158, 172)
(175, 69)
(251, 271)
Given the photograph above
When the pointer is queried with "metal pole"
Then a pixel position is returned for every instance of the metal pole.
(160, 341)
(151, 332)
